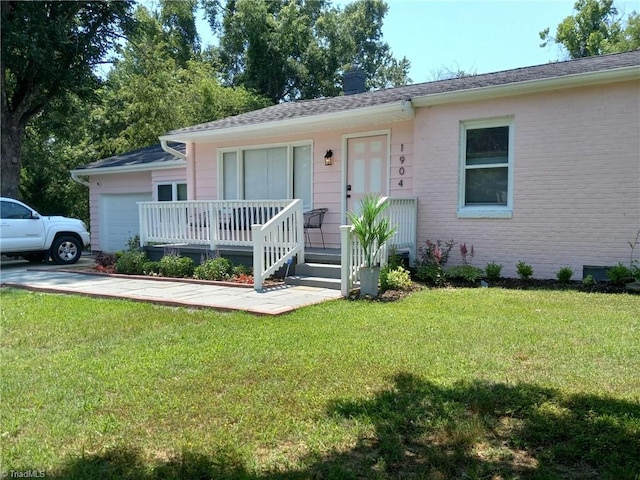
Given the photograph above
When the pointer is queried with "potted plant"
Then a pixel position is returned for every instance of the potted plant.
(372, 231)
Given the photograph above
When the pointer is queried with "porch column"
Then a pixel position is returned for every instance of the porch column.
(345, 260)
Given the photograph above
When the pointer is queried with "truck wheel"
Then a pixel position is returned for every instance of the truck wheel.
(66, 250)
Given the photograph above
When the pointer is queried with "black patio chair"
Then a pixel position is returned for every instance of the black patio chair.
(313, 219)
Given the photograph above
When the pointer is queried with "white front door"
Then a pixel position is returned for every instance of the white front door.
(367, 165)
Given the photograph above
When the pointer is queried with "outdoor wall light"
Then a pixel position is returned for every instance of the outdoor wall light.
(328, 157)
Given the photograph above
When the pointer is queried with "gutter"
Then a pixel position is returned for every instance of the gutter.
(75, 178)
(126, 169)
(172, 151)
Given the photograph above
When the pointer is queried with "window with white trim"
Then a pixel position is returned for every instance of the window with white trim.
(267, 173)
(486, 168)
(169, 192)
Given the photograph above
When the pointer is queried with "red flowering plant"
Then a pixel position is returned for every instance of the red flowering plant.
(431, 261)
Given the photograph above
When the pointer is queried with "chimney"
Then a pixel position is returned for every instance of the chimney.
(353, 82)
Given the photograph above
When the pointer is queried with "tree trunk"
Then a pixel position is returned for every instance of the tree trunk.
(10, 163)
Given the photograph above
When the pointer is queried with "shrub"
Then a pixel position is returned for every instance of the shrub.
(620, 274)
(564, 274)
(105, 259)
(431, 261)
(241, 269)
(525, 271)
(466, 272)
(176, 266)
(214, 269)
(131, 262)
(151, 268)
(493, 271)
(395, 279)
(133, 244)
(588, 281)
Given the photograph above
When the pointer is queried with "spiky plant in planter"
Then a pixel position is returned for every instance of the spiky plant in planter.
(373, 230)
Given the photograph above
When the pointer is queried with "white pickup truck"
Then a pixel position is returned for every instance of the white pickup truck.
(27, 234)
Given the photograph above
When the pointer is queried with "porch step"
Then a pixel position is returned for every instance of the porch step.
(322, 275)
(318, 282)
(324, 270)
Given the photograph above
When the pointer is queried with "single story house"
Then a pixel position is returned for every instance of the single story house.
(538, 164)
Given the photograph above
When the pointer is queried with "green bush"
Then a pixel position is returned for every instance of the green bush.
(131, 262)
(564, 274)
(431, 274)
(176, 266)
(620, 275)
(151, 268)
(467, 272)
(588, 281)
(493, 271)
(395, 279)
(214, 269)
(525, 271)
(431, 261)
(242, 270)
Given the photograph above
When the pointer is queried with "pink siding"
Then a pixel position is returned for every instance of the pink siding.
(576, 179)
(137, 182)
(327, 180)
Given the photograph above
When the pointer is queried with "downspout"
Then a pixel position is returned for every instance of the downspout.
(75, 178)
(172, 151)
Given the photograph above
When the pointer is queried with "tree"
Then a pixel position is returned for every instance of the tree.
(153, 89)
(299, 49)
(48, 49)
(595, 29)
(54, 143)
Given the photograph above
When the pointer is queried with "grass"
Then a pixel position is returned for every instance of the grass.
(452, 383)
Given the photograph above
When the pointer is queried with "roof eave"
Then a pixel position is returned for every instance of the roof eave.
(129, 168)
(389, 112)
(530, 86)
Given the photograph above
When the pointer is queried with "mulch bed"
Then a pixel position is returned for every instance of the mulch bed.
(510, 283)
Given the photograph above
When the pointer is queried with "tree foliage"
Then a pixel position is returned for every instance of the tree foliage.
(155, 85)
(48, 50)
(152, 89)
(58, 113)
(595, 29)
(299, 49)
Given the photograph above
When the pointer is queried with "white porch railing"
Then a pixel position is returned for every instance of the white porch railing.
(403, 213)
(274, 228)
(277, 241)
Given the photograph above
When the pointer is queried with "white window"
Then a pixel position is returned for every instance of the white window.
(169, 192)
(267, 173)
(486, 169)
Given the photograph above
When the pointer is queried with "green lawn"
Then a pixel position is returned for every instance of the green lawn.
(451, 383)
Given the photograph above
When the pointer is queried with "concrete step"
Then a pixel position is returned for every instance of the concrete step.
(318, 282)
(324, 270)
(322, 256)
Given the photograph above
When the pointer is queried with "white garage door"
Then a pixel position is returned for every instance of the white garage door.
(119, 219)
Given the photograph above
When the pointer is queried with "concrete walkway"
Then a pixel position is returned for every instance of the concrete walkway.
(271, 301)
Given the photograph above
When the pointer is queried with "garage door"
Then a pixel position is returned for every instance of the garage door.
(119, 219)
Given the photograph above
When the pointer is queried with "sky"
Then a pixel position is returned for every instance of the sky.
(475, 36)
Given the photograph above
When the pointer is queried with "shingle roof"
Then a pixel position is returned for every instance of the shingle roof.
(307, 108)
(153, 154)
